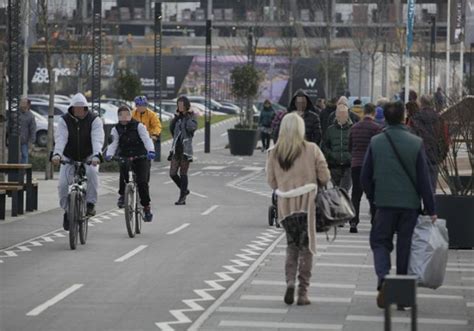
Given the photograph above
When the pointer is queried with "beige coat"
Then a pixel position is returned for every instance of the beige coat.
(309, 168)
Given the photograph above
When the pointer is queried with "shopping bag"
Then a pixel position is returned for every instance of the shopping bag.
(429, 252)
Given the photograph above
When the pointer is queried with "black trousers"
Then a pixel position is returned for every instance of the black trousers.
(142, 171)
(357, 192)
(265, 140)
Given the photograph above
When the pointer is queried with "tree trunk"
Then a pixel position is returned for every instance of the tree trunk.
(372, 74)
(360, 74)
(51, 85)
(3, 115)
(290, 80)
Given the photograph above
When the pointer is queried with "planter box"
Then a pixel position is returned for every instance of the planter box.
(459, 214)
(242, 141)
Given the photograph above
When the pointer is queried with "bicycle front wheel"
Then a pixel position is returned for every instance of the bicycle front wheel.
(73, 215)
(130, 203)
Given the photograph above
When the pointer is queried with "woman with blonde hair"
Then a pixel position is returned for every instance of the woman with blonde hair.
(294, 169)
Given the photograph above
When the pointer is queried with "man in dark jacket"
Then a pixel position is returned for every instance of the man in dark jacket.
(336, 148)
(359, 140)
(395, 191)
(27, 129)
(302, 104)
(325, 113)
(427, 125)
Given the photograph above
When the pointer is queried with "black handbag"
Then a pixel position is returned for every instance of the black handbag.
(333, 208)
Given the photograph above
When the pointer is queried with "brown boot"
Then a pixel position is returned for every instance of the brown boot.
(305, 266)
(291, 266)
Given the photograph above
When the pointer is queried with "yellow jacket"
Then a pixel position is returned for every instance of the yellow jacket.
(359, 110)
(150, 120)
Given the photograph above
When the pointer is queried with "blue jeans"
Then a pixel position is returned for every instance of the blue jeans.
(387, 222)
(24, 153)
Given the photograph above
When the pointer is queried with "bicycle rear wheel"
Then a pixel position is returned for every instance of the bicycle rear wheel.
(73, 218)
(138, 216)
(130, 211)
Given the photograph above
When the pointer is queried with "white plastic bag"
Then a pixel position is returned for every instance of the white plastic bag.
(429, 252)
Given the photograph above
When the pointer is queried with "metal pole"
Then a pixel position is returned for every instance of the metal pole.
(96, 55)
(432, 49)
(207, 80)
(158, 86)
(448, 49)
(14, 53)
(461, 67)
(384, 70)
(471, 88)
(26, 31)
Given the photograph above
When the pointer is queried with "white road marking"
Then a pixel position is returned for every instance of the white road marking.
(251, 310)
(236, 285)
(461, 264)
(214, 168)
(421, 296)
(168, 182)
(38, 310)
(253, 169)
(179, 228)
(467, 278)
(198, 195)
(200, 144)
(279, 298)
(195, 174)
(224, 134)
(362, 318)
(470, 304)
(457, 287)
(280, 325)
(131, 253)
(320, 285)
(210, 210)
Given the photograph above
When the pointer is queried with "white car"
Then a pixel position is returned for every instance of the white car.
(42, 108)
(58, 99)
(42, 129)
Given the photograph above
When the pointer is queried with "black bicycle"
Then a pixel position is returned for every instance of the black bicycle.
(77, 206)
(133, 209)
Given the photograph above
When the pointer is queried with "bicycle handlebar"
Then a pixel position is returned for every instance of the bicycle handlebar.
(132, 158)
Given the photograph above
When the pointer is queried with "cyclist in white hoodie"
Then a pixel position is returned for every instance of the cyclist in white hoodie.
(79, 137)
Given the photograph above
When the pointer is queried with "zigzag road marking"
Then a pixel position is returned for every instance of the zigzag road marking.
(39, 241)
(237, 267)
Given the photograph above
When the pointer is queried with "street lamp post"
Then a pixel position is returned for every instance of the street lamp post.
(158, 86)
(432, 52)
(471, 88)
(14, 83)
(207, 80)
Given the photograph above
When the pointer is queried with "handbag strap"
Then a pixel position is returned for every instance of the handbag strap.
(397, 154)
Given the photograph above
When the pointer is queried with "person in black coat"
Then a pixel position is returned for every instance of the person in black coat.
(302, 105)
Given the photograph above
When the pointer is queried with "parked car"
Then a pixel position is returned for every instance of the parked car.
(116, 102)
(58, 99)
(229, 104)
(215, 106)
(41, 129)
(42, 108)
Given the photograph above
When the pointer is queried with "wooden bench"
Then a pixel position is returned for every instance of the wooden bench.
(16, 192)
(32, 199)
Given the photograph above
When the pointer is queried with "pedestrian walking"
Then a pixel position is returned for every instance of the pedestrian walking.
(358, 109)
(294, 169)
(440, 99)
(428, 125)
(359, 140)
(353, 116)
(412, 108)
(320, 105)
(336, 148)
(326, 113)
(265, 124)
(27, 123)
(276, 124)
(379, 117)
(182, 128)
(302, 105)
(395, 178)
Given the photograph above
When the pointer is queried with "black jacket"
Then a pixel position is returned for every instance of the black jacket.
(79, 143)
(130, 143)
(310, 117)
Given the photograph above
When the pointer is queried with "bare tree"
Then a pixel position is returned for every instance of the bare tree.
(44, 26)
(3, 113)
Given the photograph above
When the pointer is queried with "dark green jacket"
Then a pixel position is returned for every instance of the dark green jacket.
(392, 187)
(266, 117)
(336, 145)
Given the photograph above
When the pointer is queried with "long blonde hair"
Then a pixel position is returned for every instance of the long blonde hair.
(290, 140)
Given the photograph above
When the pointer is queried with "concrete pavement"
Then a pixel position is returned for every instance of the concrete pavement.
(213, 264)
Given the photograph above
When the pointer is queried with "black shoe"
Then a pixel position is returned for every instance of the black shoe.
(65, 222)
(121, 201)
(90, 209)
(181, 201)
(148, 217)
(381, 299)
(289, 295)
(188, 192)
(353, 229)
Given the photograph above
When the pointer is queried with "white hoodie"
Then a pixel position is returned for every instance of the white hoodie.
(61, 134)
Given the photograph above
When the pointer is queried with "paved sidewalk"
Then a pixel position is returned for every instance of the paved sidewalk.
(343, 293)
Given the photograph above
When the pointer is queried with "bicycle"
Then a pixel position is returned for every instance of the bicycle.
(133, 209)
(76, 213)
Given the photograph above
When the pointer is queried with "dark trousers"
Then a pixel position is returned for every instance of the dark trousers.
(357, 192)
(433, 169)
(265, 140)
(142, 171)
(180, 164)
(387, 222)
